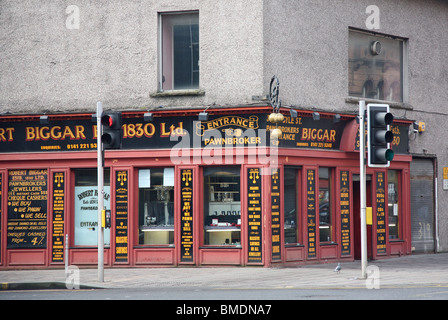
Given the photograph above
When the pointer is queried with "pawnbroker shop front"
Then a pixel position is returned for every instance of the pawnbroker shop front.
(186, 192)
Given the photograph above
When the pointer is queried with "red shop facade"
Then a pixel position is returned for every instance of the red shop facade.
(202, 193)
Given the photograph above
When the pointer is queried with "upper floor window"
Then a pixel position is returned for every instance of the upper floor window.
(375, 66)
(179, 43)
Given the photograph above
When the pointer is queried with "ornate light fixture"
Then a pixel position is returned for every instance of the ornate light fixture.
(275, 117)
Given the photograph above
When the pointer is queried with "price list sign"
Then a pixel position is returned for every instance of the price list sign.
(380, 213)
(275, 214)
(345, 212)
(311, 211)
(58, 216)
(186, 225)
(121, 216)
(27, 209)
(254, 214)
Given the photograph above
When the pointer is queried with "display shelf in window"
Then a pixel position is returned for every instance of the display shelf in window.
(223, 230)
(157, 235)
(290, 232)
(224, 191)
(223, 233)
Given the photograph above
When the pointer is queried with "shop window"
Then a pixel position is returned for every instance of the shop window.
(375, 66)
(291, 211)
(325, 207)
(393, 204)
(222, 206)
(156, 206)
(86, 206)
(180, 51)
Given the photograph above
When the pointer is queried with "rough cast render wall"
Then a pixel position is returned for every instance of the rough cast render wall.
(307, 48)
(112, 56)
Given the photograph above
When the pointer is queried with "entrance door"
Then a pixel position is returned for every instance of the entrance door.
(357, 217)
(422, 205)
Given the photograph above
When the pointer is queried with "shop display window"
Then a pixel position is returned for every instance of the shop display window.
(393, 204)
(325, 208)
(222, 206)
(156, 206)
(291, 205)
(86, 206)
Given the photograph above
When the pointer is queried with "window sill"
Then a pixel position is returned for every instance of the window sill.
(393, 104)
(153, 246)
(292, 245)
(215, 246)
(84, 247)
(178, 93)
(328, 243)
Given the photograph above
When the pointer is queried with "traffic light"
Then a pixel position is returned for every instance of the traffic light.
(111, 137)
(379, 135)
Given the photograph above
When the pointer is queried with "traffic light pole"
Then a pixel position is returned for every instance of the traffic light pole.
(99, 112)
(362, 183)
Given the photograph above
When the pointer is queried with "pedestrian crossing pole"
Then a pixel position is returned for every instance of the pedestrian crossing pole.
(362, 183)
(99, 113)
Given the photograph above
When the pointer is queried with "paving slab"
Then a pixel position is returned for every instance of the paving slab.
(405, 271)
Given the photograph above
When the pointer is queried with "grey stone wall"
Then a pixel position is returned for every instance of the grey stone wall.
(53, 61)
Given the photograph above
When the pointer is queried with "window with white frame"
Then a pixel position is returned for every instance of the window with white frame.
(179, 51)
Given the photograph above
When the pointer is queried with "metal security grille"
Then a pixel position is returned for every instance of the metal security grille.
(422, 205)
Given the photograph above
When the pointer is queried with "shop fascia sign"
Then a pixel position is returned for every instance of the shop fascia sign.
(168, 132)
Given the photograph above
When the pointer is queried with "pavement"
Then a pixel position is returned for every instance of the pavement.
(406, 271)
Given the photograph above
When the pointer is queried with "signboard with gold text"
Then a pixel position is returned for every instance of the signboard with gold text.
(121, 216)
(1, 198)
(186, 224)
(275, 214)
(254, 215)
(311, 212)
(344, 202)
(169, 132)
(58, 216)
(380, 212)
(27, 208)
